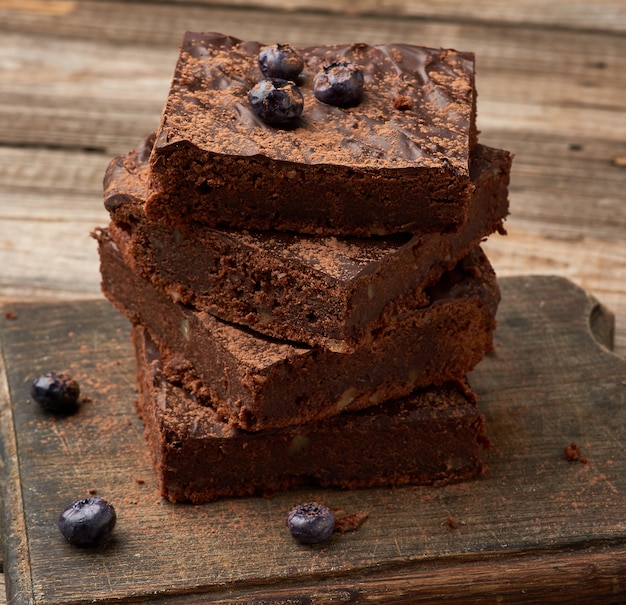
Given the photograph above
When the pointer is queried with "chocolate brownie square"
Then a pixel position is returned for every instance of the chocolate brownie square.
(256, 382)
(399, 161)
(434, 436)
(324, 291)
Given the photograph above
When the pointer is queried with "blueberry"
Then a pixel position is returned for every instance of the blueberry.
(310, 523)
(87, 521)
(56, 392)
(277, 102)
(339, 84)
(280, 61)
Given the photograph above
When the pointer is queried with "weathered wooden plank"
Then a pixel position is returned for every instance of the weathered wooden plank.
(597, 265)
(567, 184)
(71, 272)
(56, 172)
(62, 264)
(51, 201)
(548, 383)
(608, 15)
(11, 505)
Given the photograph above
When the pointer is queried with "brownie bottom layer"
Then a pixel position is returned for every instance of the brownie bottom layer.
(433, 436)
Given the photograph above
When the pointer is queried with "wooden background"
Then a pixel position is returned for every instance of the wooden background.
(82, 81)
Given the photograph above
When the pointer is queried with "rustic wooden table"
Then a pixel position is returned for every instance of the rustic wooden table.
(82, 81)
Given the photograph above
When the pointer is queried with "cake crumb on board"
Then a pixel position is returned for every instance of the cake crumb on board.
(350, 522)
(572, 454)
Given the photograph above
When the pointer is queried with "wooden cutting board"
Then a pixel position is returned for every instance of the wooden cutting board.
(536, 528)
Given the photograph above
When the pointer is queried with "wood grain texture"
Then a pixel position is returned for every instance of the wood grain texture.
(607, 15)
(535, 526)
(11, 508)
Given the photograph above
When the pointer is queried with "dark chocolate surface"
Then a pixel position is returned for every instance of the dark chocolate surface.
(258, 383)
(433, 127)
(432, 436)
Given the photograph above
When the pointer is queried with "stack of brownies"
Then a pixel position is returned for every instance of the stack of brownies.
(306, 301)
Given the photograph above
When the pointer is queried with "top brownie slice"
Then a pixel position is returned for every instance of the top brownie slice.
(396, 162)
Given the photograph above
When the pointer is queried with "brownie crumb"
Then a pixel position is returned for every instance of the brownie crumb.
(572, 454)
(351, 522)
(403, 103)
(10, 315)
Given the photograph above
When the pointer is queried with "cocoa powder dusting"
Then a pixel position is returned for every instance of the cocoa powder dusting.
(337, 258)
(428, 124)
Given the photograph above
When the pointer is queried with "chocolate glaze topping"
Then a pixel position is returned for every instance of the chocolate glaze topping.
(417, 109)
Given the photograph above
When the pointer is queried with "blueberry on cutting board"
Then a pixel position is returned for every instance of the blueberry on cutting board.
(311, 522)
(56, 392)
(87, 521)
